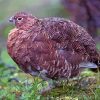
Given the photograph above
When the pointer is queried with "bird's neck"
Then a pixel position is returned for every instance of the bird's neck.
(30, 25)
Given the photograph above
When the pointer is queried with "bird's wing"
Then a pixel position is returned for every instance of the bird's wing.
(71, 36)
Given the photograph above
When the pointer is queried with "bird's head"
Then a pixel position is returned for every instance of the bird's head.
(23, 20)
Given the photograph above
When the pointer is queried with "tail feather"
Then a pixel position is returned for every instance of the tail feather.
(95, 67)
(88, 65)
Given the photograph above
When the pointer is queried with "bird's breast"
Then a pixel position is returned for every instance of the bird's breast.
(27, 48)
(37, 50)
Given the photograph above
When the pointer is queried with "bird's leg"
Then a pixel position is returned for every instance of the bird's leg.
(63, 81)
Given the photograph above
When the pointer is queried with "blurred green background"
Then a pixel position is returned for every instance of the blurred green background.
(10, 90)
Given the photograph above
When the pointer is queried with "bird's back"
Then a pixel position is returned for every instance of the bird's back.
(72, 37)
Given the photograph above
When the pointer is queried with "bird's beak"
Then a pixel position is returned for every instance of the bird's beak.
(11, 19)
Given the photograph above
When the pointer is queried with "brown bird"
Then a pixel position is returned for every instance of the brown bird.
(52, 48)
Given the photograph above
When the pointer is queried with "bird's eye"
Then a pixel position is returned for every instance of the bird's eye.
(19, 19)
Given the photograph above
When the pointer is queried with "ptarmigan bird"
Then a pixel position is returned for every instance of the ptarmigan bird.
(52, 48)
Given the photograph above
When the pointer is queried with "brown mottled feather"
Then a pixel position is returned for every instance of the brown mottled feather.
(53, 46)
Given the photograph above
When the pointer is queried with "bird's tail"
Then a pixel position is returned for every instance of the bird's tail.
(93, 66)
(97, 62)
